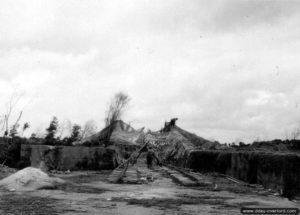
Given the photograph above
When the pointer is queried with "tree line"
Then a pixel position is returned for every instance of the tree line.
(77, 133)
(55, 132)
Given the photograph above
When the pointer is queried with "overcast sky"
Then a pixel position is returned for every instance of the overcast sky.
(229, 70)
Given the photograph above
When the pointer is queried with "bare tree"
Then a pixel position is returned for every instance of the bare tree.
(64, 128)
(89, 129)
(116, 108)
(115, 111)
(295, 133)
(5, 121)
(14, 129)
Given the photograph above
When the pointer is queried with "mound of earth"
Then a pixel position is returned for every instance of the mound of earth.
(175, 135)
(198, 142)
(117, 133)
(29, 179)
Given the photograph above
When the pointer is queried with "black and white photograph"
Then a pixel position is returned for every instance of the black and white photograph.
(149, 107)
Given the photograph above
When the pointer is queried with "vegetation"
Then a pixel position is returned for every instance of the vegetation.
(75, 135)
(88, 129)
(51, 131)
(116, 108)
(114, 112)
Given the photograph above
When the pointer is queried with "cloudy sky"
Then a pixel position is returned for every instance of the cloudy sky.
(229, 70)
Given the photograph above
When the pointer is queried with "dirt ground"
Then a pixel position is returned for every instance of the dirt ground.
(90, 193)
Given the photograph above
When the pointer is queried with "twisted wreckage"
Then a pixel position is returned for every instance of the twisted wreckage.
(120, 145)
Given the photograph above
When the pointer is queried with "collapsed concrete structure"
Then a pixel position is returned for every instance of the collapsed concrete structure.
(278, 170)
(175, 146)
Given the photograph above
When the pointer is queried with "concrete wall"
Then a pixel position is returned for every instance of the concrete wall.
(68, 157)
(279, 171)
(273, 170)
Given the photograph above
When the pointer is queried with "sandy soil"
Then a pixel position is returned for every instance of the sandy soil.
(91, 193)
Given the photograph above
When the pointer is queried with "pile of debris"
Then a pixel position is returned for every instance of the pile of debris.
(29, 179)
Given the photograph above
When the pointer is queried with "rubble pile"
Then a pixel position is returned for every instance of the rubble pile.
(29, 179)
